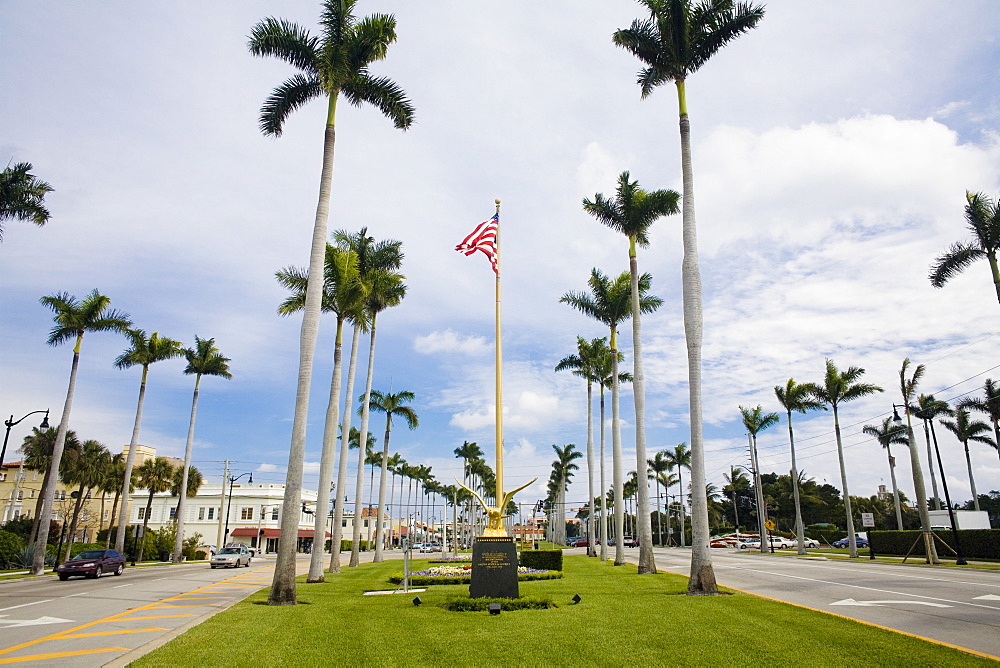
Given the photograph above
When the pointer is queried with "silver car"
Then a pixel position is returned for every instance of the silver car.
(231, 557)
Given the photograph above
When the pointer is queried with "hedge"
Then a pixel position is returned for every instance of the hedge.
(424, 580)
(466, 604)
(976, 543)
(543, 560)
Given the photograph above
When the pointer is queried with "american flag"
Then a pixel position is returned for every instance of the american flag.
(483, 238)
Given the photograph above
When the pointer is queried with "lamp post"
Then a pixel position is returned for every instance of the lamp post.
(229, 505)
(960, 558)
(11, 422)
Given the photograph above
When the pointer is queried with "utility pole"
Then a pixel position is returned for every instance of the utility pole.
(225, 476)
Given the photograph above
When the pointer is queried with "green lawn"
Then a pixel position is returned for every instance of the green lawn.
(623, 619)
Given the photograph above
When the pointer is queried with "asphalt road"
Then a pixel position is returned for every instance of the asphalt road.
(83, 622)
(958, 607)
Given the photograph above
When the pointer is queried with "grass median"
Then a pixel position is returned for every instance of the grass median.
(622, 619)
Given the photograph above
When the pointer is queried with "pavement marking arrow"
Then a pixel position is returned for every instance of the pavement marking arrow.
(876, 604)
(11, 623)
(987, 597)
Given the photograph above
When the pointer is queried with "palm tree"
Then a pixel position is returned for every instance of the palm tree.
(562, 472)
(393, 465)
(796, 397)
(343, 294)
(609, 302)
(736, 482)
(756, 420)
(908, 389)
(155, 475)
(73, 319)
(604, 366)
(392, 404)
(333, 64)
(658, 468)
(632, 212)
(988, 404)
(583, 365)
(191, 482)
(110, 483)
(982, 217)
(926, 409)
(202, 360)
(86, 469)
(37, 454)
(839, 387)
(22, 196)
(679, 459)
(677, 39)
(142, 352)
(966, 429)
(377, 265)
(468, 452)
(887, 434)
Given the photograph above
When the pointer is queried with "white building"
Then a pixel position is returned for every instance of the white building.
(250, 515)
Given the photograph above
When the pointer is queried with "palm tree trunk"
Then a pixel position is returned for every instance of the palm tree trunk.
(326, 461)
(616, 456)
(604, 489)
(125, 497)
(930, 463)
(921, 494)
(643, 526)
(702, 580)
(345, 446)
(800, 536)
(145, 525)
(283, 583)
(111, 524)
(968, 462)
(895, 490)
(79, 504)
(49, 490)
(359, 484)
(591, 548)
(852, 540)
(179, 539)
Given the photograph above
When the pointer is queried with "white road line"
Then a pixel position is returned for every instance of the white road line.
(24, 605)
(120, 586)
(82, 593)
(883, 591)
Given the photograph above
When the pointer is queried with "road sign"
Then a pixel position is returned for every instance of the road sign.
(868, 519)
(770, 525)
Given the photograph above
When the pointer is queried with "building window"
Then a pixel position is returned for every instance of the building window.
(211, 513)
(84, 515)
(173, 512)
(274, 513)
(20, 495)
(246, 513)
(343, 524)
(366, 524)
(32, 494)
(201, 513)
(142, 514)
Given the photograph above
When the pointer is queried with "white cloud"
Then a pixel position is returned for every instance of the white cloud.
(450, 341)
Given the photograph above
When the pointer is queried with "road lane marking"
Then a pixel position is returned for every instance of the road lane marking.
(193, 605)
(120, 586)
(183, 614)
(987, 597)
(33, 622)
(25, 605)
(113, 633)
(82, 593)
(879, 604)
(62, 655)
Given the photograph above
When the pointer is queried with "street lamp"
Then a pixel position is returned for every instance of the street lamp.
(960, 558)
(11, 422)
(229, 505)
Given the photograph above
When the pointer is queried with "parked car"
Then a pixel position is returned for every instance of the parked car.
(430, 547)
(844, 542)
(777, 542)
(630, 541)
(209, 549)
(231, 556)
(92, 564)
(810, 542)
(581, 542)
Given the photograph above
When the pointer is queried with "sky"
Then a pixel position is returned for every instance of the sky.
(832, 149)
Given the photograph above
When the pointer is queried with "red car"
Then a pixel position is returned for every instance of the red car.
(582, 542)
(92, 564)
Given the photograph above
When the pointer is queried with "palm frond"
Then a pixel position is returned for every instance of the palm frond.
(958, 256)
(285, 40)
(382, 93)
(285, 99)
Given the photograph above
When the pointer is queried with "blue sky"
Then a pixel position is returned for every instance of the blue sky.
(832, 149)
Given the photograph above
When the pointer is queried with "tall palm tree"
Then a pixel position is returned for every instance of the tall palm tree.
(191, 482)
(377, 265)
(966, 429)
(604, 366)
(343, 294)
(155, 475)
(982, 217)
(658, 467)
(37, 454)
(112, 482)
(86, 470)
(926, 409)
(756, 420)
(736, 482)
(143, 351)
(74, 317)
(468, 452)
(632, 212)
(796, 397)
(563, 467)
(583, 364)
(679, 459)
(332, 64)
(610, 302)
(392, 404)
(22, 196)
(394, 465)
(908, 390)
(988, 404)
(887, 434)
(202, 360)
(677, 38)
(839, 387)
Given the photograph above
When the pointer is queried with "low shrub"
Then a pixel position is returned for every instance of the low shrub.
(423, 580)
(976, 543)
(10, 546)
(201, 555)
(466, 604)
(543, 560)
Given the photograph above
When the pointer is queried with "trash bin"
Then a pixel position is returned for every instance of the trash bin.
(164, 555)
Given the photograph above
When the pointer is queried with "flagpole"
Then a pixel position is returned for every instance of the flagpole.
(499, 376)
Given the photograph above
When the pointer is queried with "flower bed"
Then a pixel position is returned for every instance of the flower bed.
(462, 574)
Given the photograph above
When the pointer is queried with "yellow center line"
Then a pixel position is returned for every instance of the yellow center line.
(113, 633)
(193, 605)
(132, 619)
(61, 655)
(201, 598)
